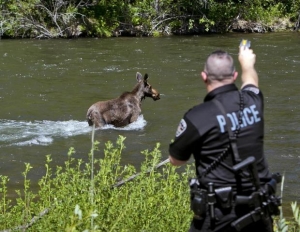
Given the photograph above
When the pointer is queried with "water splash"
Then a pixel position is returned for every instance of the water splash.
(43, 133)
(139, 124)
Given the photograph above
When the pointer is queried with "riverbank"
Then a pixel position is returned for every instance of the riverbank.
(237, 26)
(43, 20)
(257, 27)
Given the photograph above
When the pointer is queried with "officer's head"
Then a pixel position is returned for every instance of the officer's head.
(219, 67)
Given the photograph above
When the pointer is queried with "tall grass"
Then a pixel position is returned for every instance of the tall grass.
(280, 223)
(79, 196)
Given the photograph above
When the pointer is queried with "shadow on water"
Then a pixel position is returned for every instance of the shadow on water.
(48, 85)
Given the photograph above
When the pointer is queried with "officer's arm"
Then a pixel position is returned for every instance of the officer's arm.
(247, 60)
(176, 162)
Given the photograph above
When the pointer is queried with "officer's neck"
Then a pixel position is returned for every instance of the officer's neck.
(212, 85)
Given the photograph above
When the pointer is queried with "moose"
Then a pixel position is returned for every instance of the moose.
(125, 109)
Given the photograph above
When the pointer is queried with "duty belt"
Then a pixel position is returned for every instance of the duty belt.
(261, 203)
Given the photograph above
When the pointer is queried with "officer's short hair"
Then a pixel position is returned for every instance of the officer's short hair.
(219, 66)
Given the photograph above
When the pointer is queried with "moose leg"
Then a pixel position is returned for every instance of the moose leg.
(94, 117)
(134, 117)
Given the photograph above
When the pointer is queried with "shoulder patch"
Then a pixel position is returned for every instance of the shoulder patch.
(252, 89)
(181, 127)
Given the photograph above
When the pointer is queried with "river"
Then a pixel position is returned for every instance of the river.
(46, 87)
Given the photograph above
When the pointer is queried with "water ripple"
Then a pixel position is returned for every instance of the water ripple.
(43, 133)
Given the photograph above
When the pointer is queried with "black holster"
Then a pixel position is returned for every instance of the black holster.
(264, 203)
(198, 199)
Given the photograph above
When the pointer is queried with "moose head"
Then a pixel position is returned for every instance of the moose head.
(147, 88)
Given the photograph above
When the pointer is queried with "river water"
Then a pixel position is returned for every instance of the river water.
(46, 87)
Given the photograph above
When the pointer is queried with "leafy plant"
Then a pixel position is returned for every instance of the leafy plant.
(280, 223)
(296, 213)
(154, 200)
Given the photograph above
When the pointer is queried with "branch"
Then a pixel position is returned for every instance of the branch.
(136, 175)
(171, 18)
(297, 24)
(30, 223)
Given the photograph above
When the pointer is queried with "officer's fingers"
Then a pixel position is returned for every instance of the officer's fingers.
(241, 49)
(242, 53)
(245, 53)
(244, 49)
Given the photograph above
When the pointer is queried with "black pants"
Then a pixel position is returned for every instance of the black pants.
(223, 221)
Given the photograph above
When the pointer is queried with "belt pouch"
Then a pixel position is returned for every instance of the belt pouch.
(224, 197)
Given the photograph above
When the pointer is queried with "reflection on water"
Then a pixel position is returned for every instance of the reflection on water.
(46, 87)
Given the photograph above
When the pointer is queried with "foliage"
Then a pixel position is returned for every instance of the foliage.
(296, 213)
(73, 18)
(281, 225)
(223, 13)
(70, 198)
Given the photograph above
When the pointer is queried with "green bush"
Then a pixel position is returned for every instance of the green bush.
(84, 196)
(69, 19)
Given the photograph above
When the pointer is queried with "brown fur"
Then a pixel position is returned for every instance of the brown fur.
(122, 110)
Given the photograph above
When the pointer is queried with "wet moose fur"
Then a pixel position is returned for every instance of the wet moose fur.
(122, 110)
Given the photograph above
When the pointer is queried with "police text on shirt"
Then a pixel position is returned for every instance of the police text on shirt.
(249, 117)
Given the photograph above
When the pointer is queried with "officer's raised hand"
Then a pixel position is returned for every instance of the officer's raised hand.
(247, 60)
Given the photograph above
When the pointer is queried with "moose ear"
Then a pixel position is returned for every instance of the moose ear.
(146, 77)
(139, 77)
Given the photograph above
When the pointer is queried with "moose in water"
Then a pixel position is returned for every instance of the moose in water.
(125, 109)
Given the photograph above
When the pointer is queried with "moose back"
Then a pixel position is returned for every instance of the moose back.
(125, 109)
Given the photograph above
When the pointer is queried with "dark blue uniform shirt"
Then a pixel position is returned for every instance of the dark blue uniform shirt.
(203, 133)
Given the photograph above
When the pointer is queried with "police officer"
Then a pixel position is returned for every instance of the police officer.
(203, 132)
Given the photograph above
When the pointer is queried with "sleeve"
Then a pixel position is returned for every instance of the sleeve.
(253, 89)
(184, 142)
(255, 92)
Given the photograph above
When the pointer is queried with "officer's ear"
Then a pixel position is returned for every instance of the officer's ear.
(204, 76)
(235, 75)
